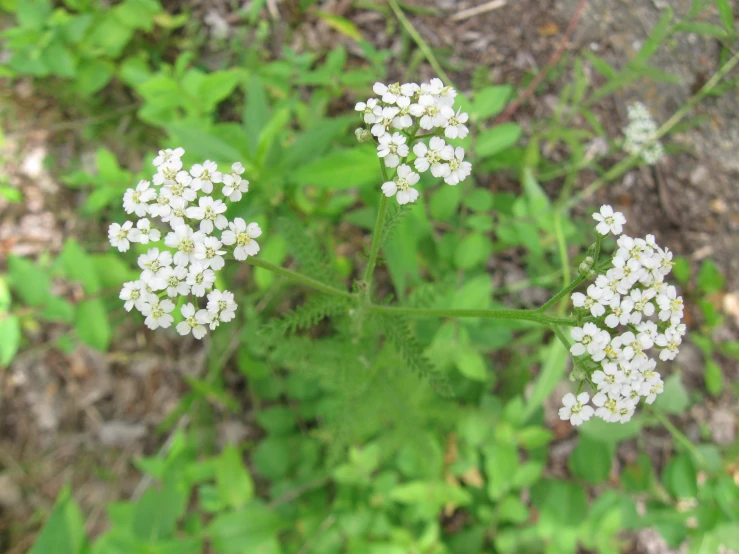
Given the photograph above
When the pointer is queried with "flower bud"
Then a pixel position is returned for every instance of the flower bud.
(583, 268)
(578, 374)
(363, 135)
(589, 260)
(592, 275)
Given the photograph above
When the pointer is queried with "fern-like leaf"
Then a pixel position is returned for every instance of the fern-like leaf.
(314, 261)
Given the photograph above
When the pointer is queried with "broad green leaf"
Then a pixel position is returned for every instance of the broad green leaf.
(91, 324)
(527, 474)
(79, 266)
(501, 462)
(314, 142)
(478, 199)
(490, 101)
(471, 364)
(554, 363)
(157, 512)
(435, 493)
(473, 249)
(341, 169)
(204, 144)
(565, 503)
(29, 281)
(217, 87)
(444, 203)
(497, 139)
(92, 75)
(244, 531)
(605, 432)
(256, 111)
(235, 485)
(674, 399)
(512, 510)
(680, 477)
(64, 531)
(341, 24)
(475, 293)
(10, 338)
(710, 279)
(33, 13)
(591, 460)
(538, 202)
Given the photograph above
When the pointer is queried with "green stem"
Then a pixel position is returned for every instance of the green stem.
(678, 435)
(298, 277)
(625, 164)
(520, 315)
(418, 39)
(561, 294)
(376, 236)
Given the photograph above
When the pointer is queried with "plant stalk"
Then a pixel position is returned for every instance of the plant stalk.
(519, 315)
(298, 277)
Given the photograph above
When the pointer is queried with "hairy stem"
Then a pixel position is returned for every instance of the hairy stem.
(520, 315)
(565, 291)
(298, 277)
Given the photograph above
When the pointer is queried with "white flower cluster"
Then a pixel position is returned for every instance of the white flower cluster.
(397, 118)
(640, 130)
(185, 267)
(632, 313)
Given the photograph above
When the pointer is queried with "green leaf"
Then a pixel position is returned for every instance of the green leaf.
(472, 250)
(490, 101)
(498, 139)
(710, 279)
(341, 169)
(605, 432)
(235, 485)
(157, 512)
(726, 13)
(445, 203)
(527, 474)
(565, 503)
(59, 59)
(702, 28)
(435, 493)
(475, 293)
(10, 338)
(245, 530)
(314, 142)
(538, 202)
(218, 86)
(534, 437)
(204, 144)
(501, 462)
(29, 281)
(591, 460)
(471, 364)
(554, 362)
(341, 24)
(512, 510)
(477, 200)
(656, 37)
(92, 75)
(256, 111)
(64, 531)
(681, 270)
(91, 323)
(680, 478)
(79, 266)
(674, 399)
(714, 378)
(33, 13)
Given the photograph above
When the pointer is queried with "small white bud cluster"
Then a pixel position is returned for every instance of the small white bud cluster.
(185, 267)
(640, 130)
(633, 311)
(397, 118)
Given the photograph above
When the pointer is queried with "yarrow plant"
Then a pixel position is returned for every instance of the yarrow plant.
(627, 317)
(630, 317)
(198, 238)
(413, 121)
(639, 135)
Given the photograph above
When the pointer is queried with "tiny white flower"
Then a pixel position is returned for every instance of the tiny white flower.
(242, 235)
(167, 172)
(384, 120)
(641, 304)
(459, 169)
(134, 294)
(200, 278)
(153, 263)
(143, 233)
(184, 240)
(402, 185)
(670, 305)
(609, 221)
(157, 313)
(194, 321)
(592, 302)
(620, 312)
(222, 305)
(670, 344)
(591, 339)
(205, 175)
(174, 279)
(209, 253)
(137, 200)
(168, 154)
(371, 112)
(233, 185)
(610, 379)
(118, 235)
(209, 212)
(389, 93)
(392, 148)
(434, 157)
(607, 406)
(575, 409)
(456, 127)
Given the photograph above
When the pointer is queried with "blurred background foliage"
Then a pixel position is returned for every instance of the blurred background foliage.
(347, 448)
